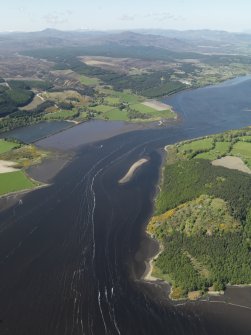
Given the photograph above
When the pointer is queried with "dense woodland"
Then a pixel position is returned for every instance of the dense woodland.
(195, 257)
(139, 52)
(22, 118)
(12, 98)
(18, 93)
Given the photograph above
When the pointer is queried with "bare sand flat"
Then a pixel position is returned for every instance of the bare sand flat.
(232, 162)
(149, 267)
(157, 105)
(7, 166)
(132, 170)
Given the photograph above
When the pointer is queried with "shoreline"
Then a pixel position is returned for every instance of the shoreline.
(149, 263)
(147, 277)
(42, 174)
(15, 198)
(25, 191)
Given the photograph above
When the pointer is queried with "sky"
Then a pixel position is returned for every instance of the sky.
(33, 15)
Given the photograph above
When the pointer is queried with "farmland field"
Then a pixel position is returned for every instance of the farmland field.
(117, 114)
(242, 150)
(89, 81)
(204, 144)
(14, 181)
(6, 146)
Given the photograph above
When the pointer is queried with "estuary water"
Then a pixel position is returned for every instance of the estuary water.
(37, 131)
(67, 253)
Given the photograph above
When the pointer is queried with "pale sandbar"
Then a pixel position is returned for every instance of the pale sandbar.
(132, 170)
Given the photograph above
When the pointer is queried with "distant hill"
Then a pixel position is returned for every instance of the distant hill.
(202, 41)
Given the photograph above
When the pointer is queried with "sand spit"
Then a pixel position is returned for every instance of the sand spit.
(132, 170)
(7, 166)
(232, 162)
(149, 267)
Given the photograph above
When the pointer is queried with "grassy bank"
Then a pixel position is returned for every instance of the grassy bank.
(15, 181)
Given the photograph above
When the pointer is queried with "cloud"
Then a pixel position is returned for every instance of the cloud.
(152, 16)
(56, 18)
(161, 16)
(127, 17)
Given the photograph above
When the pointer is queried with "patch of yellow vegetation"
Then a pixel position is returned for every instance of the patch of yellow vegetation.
(176, 293)
(25, 156)
(194, 295)
(157, 220)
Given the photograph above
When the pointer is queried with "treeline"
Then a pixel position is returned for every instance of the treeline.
(22, 118)
(226, 259)
(18, 95)
(186, 180)
(30, 84)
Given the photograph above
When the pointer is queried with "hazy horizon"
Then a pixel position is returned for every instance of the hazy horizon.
(110, 15)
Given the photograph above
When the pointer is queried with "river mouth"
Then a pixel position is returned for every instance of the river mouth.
(66, 253)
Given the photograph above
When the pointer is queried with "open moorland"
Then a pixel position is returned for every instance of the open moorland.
(92, 78)
(203, 215)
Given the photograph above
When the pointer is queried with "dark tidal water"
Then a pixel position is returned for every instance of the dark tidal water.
(37, 131)
(67, 253)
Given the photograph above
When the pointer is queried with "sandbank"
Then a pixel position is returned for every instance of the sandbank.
(132, 170)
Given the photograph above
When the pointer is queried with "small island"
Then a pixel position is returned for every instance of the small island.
(202, 217)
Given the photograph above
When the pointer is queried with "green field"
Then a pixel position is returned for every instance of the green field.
(152, 113)
(144, 109)
(112, 101)
(14, 181)
(242, 150)
(60, 115)
(132, 112)
(197, 145)
(101, 108)
(245, 138)
(89, 81)
(233, 143)
(117, 115)
(125, 96)
(221, 148)
(6, 146)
